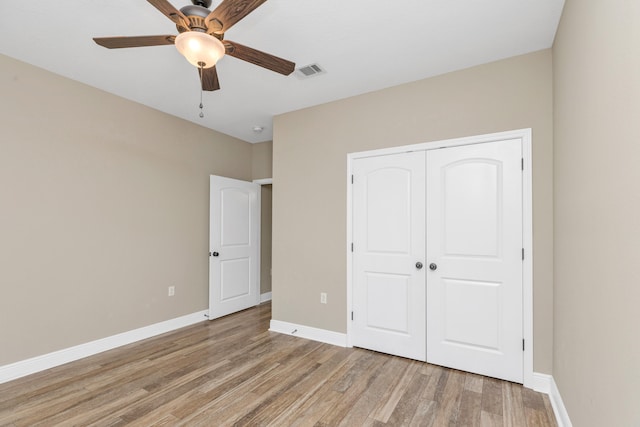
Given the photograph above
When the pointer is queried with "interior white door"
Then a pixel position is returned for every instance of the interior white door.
(388, 237)
(234, 241)
(474, 259)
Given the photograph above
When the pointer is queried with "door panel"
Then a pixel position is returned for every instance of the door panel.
(472, 201)
(472, 313)
(236, 214)
(388, 291)
(236, 280)
(388, 211)
(387, 302)
(474, 224)
(234, 237)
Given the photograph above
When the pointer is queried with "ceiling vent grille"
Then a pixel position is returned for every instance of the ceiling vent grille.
(309, 71)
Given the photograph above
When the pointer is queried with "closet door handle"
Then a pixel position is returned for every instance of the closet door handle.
(419, 265)
(433, 266)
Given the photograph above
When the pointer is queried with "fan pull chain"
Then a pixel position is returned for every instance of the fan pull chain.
(201, 76)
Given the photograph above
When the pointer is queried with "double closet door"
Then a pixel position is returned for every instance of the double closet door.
(437, 258)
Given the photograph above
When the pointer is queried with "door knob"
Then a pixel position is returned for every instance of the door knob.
(419, 265)
(433, 266)
(214, 254)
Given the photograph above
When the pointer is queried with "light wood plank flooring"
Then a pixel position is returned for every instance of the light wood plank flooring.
(232, 371)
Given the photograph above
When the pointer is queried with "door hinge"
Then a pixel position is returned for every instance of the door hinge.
(523, 254)
(523, 344)
(522, 163)
(352, 179)
(351, 247)
(352, 315)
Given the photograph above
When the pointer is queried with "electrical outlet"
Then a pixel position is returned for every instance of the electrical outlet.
(323, 297)
(172, 291)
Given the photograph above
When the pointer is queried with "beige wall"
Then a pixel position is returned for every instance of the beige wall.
(262, 160)
(103, 205)
(310, 159)
(597, 211)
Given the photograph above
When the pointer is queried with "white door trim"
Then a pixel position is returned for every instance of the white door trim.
(527, 226)
(263, 181)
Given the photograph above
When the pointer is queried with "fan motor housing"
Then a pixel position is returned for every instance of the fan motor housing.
(196, 16)
(193, 10)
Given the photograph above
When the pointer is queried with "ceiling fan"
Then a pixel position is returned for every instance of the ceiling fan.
(201, 37)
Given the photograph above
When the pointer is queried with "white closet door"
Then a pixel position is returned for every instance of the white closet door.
(389, 232)
(474, 259)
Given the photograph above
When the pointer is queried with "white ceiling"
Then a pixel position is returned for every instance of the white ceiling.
(363, 45)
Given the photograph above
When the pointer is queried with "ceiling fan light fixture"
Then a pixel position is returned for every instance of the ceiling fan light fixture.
(200, 49)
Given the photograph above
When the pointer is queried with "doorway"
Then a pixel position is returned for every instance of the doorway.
(266, 219)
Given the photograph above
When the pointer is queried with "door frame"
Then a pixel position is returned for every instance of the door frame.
(527, 226)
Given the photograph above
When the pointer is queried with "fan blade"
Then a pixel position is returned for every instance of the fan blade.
(261, 59)
(171, 12)
(229, 12)
(210, 79)
(136, 41)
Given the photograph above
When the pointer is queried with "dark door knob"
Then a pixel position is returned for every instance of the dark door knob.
(433, 266)
(419, 265)
(214, 254)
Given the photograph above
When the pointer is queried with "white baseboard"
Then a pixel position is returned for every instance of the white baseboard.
(60, 357)
(265, 297)
(544, 383)
(562, 416)
(309, 333)
(541, 383)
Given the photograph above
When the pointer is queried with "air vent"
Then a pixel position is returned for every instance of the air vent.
(309, 71)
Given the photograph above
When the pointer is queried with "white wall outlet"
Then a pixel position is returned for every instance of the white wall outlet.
(172, 291)
(323, 297)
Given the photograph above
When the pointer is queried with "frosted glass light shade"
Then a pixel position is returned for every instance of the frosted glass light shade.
(200, 48)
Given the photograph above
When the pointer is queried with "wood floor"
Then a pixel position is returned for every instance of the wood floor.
(232, 371)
